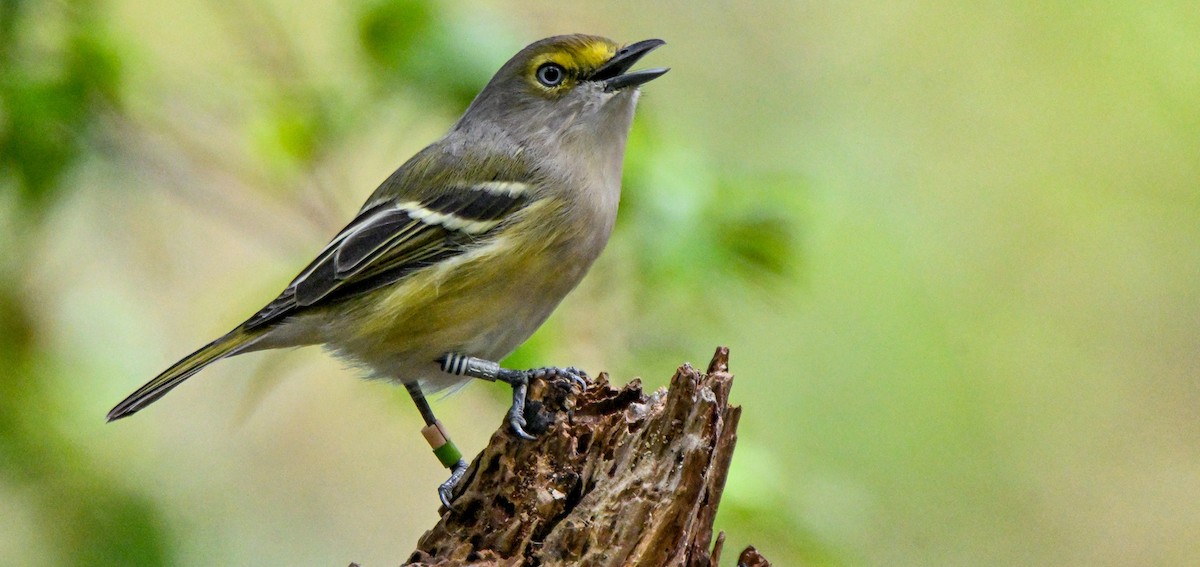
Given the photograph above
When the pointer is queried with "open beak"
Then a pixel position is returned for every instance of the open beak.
(613, 74)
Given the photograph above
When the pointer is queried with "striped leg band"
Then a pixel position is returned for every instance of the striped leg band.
(461, 365)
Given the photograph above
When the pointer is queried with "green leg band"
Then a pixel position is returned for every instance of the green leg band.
(448, 454)
(443, 447)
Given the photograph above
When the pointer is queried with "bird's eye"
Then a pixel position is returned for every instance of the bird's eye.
(551, 74)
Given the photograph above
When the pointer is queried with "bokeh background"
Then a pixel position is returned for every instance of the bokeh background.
(955, 249)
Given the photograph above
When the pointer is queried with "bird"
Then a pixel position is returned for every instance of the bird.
(464, 251)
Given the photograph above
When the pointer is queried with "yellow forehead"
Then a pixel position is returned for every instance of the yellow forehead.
(576, 53)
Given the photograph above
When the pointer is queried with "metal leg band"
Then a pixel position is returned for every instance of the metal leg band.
(462, 365)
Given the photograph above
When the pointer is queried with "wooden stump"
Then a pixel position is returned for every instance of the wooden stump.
(615, 477)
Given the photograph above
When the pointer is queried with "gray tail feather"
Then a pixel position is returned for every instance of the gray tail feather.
(230, 344)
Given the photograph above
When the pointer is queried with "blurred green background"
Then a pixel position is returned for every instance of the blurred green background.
(955, 249)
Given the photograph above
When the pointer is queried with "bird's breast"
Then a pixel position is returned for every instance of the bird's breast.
(484, 302)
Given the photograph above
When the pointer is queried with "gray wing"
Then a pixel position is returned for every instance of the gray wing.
(389, 240)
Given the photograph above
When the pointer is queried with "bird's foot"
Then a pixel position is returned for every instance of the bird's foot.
(520, 379)
(446, 489)
(550, 373)
(462, 365)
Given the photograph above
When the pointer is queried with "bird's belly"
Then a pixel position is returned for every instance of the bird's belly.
(483, 303)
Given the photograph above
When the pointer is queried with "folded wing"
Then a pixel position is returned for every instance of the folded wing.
(391, 239)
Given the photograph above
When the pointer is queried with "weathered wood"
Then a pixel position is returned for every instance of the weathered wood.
(615, 477)
(750, 557)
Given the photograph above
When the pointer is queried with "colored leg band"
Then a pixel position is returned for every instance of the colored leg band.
(443, 448)
(448, 455)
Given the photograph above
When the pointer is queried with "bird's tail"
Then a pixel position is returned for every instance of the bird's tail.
(234, 342)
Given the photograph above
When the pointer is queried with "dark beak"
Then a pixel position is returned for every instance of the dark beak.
(613, 74)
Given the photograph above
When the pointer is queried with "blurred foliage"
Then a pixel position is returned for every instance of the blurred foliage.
(55, 90)
(680, 200)
(414, 44)
(952, 248)
(296, 130)
(52, 92)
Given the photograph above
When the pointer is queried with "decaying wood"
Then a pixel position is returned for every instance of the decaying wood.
(615, 477)
(750, 557)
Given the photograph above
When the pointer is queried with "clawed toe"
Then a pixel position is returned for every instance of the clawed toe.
(516, 413)
(446, 489)
(575, 375)
(519, 380)
(518, 427)
(578, 376)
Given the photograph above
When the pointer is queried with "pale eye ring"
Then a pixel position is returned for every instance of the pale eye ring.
(551, 74)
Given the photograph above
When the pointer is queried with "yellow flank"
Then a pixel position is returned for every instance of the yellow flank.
(452, 304)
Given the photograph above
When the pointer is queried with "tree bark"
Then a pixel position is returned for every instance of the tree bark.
(615, 477)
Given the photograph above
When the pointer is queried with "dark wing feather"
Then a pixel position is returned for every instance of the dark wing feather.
(385, 243)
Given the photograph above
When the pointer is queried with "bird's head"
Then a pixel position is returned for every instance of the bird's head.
(569, 86)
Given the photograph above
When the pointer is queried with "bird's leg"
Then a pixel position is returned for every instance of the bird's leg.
(470, 366)
(445, 450)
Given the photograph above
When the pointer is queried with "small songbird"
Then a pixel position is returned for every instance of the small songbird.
(462, 253)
